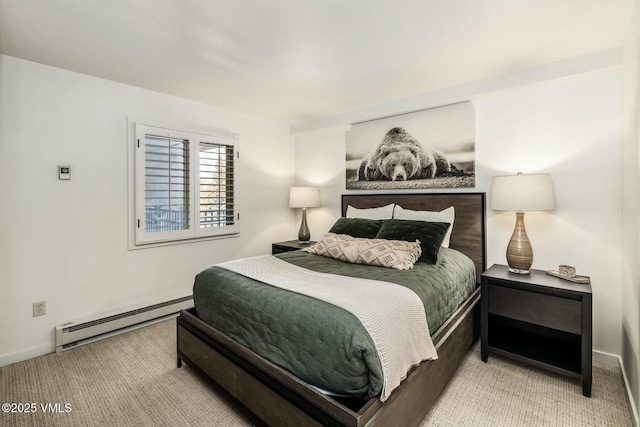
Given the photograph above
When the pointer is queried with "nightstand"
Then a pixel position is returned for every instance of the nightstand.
(538, 319)
(291, 245)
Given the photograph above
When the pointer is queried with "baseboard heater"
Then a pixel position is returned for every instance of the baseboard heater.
(73, 334)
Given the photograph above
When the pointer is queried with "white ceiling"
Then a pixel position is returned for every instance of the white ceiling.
(299, 60)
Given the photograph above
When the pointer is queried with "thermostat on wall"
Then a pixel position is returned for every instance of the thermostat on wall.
(64, 172)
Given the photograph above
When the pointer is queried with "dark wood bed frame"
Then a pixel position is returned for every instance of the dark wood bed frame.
(269, 395)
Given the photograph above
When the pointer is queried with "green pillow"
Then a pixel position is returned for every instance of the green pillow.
(430, 235)
(357, 227)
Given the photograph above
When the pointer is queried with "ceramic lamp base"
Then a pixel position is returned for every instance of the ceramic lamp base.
(519, 251)
(304, 235)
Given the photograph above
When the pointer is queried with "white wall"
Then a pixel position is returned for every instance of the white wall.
(568, 127)
(66, 242)
(631, 211)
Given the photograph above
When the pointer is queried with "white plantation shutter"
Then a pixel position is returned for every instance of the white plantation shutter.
(166, 183)
(216, 193)
(185, 185)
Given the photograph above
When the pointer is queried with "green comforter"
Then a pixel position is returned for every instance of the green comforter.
(320, 343)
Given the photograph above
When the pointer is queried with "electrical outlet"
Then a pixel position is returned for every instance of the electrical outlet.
(39, 308)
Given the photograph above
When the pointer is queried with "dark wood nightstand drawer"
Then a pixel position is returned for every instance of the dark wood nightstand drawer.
(545, 310)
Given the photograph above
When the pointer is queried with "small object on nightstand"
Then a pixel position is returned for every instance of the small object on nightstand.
(568, 272)
(288, 246)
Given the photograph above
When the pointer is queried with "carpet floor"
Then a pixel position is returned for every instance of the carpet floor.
(132, 380)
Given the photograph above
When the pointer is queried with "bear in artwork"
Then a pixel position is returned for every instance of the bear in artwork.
(401, 157)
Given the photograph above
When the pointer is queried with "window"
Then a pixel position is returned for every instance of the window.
(184, 184)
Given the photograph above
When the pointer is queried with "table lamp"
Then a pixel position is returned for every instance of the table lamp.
(521, 193)
(304, 197)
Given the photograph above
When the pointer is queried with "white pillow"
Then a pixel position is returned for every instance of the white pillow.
(384, 212)
(447, 215)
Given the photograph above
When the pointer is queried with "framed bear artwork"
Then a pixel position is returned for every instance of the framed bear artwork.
(432, 148)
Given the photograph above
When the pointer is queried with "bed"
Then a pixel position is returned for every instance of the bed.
(272, 395)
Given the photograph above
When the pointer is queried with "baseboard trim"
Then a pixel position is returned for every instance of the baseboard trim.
(606, 358)
(29, 353)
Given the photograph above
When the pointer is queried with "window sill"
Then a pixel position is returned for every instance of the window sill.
(134, 247)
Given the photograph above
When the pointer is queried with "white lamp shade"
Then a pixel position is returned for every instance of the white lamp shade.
(522, 193)
(304, 197)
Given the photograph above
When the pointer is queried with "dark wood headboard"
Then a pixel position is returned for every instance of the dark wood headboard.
(468, 235)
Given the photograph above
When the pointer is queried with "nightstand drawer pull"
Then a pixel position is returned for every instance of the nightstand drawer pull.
(546, 310)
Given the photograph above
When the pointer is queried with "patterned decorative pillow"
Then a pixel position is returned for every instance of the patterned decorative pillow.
(396, 254)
